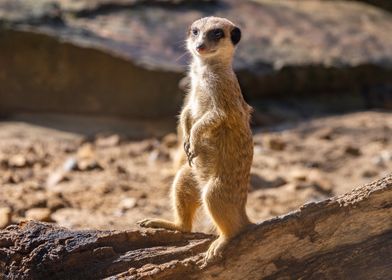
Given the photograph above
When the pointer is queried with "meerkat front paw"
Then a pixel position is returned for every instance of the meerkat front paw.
(215, 251)
(191, 155)
(189, 151)
(187, 146)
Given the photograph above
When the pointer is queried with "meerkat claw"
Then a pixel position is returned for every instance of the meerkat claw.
(143, 223)
(191, 156)
(186, 146)
(190, 159)
(214, 252)
(149, 223)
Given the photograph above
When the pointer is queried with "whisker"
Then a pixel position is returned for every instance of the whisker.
(181, 43)
(181, 56)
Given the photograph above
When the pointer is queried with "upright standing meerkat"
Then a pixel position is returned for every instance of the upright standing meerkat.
(216, 136)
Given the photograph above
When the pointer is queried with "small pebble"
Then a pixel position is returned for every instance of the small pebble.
(39, 214)
(110, 141)
(354, 151)
(5, 216)
(128, 203)
(276, 144)
(170, 140)
(17, 161)
(299, 174)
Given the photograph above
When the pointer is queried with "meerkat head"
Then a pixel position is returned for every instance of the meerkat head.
(213, 38)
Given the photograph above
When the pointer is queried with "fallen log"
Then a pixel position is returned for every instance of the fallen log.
(346, 237)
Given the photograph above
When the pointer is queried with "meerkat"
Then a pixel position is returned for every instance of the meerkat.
(217, 138)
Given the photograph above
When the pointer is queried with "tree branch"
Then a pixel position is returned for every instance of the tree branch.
(347, 237)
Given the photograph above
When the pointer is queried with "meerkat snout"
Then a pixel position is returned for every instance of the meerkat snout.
(212, 36)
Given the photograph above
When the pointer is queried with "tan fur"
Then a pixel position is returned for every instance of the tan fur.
(217, 138)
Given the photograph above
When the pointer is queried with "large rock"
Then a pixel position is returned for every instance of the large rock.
(125, 57)
(384, 4)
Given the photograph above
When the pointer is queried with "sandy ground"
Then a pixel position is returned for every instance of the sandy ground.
(109, 181)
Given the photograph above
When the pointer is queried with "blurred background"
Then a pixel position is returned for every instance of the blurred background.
(90, 90)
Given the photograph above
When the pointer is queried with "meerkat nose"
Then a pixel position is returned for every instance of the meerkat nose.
(201, 47)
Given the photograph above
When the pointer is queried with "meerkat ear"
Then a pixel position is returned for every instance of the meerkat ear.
(235, 35)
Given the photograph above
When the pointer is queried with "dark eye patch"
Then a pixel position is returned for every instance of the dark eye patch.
(195, 31)
(215, 34)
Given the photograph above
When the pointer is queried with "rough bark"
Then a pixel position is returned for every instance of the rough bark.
(347, 237)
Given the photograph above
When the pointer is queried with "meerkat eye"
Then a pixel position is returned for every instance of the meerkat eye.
(215, 34)
(195, 31)
(218, 33)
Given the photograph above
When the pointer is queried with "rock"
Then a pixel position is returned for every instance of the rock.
(368, 173)
(11, 177)
(125, 186)
(320, 182)
(382, 158)
(143, 195)
(17, 161)
(158, 154)
(86, 159)
(109, 141)
(88, 165)
(104, 189)
(60, 174)
(86, 151)
(5, 216)
(264, 119)
(121, 46)
(56, 201)
(384, 4)
(276, 143)
(325, 133)
(354, 151)
(299, 174)
(258, 182)
(88, 6)
(145, 146)
(170, 140)
(128, 203)
(39, 214)
(122, 170)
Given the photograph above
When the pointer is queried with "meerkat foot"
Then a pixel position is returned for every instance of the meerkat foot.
(158, 223)
(215, 250)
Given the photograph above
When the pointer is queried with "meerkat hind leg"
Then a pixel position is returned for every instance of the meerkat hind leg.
(186, 201)
(230, 218)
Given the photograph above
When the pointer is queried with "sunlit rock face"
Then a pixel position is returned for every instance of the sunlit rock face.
(126, 57)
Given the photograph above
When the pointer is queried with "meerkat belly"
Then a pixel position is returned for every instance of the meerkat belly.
(225, 152)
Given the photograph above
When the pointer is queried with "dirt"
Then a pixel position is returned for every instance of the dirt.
(109, 181)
